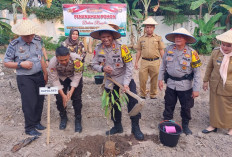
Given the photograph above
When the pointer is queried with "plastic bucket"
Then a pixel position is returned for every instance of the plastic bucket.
(169, 139)
(99, 79)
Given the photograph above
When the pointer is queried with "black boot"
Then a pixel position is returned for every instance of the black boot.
(78, 127)
(116, 129)
(63, 120)
(136, 129)
(186, 129)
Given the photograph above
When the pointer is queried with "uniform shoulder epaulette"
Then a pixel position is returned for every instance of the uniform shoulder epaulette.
(14, 42)
(37, 38)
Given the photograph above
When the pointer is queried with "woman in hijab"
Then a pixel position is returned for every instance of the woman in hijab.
(219, 76)
(73, 43)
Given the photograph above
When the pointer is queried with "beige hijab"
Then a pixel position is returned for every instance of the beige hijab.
(224, 66)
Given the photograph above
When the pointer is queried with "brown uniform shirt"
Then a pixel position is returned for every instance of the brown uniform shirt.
(212, 74)
(73, 71)
(150, 46)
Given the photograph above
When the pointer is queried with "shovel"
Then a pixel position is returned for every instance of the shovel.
(138, 107)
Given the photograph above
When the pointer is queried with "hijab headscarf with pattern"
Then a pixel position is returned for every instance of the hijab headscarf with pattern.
(69, 41)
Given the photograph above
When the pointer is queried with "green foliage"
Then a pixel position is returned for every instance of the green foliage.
(174, 11)
(49, 44)
(112, 98)
(6, 4)
(205, 33)
(5, 32)
(55, 12)
(226, 9)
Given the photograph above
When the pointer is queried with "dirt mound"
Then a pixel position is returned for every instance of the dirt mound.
(94, 145)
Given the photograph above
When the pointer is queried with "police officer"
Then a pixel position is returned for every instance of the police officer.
(151, 48)
(180, 67)
(24, 54)
(115, 60)
(65, 72)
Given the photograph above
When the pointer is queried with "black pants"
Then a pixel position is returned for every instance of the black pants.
(76, 97)
(32, 102)
(186, 101)
(132, 102)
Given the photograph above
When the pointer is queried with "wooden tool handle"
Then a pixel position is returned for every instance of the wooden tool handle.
(127, 91)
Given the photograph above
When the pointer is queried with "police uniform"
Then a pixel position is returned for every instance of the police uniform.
(150, 52)
(181, 66)
(28, 80)
(65, 77)
(119, 58)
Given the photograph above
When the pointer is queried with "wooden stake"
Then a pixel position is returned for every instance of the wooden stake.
(48, 120)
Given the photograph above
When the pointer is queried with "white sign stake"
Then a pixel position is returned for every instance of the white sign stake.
(48, 91)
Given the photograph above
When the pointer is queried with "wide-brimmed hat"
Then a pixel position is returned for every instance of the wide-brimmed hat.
(150, 21)
(114, 26)
(25, 27)
(95, 34)
(226, 36)
(181, 31)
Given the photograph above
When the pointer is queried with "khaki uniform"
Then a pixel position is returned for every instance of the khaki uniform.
(59, 72)
(150, 49)
(220, 97)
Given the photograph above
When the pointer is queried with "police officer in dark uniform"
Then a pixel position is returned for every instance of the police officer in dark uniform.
(65, 72)
(24, 54)
(180, 69)
(115, 60)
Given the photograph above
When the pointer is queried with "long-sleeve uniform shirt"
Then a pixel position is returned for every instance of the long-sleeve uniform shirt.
(179, 63)
(119, 58)
(73, 71)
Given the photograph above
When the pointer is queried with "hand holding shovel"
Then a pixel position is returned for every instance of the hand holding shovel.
(138, 107)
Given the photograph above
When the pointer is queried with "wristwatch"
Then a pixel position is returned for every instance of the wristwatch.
(19, 66)
(48, 60)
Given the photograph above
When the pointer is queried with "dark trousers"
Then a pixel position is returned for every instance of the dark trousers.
(186, 102)
(76, 97)
(32, 102)
(132, 102)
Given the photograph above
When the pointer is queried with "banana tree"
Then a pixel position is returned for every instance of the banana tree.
(146, 4)
(134, 18)
(205, 33)
(5, 32)
(226, 18)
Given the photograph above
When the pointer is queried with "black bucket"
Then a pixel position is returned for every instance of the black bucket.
(169, 139)
(99, 79)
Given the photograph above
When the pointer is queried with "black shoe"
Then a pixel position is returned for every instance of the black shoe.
(33, 132)
(205, 131)
(136, 130)
(40, 127)
(186, 129)
(143, 97)
(78, 127)
(63, 121)
(116, 129)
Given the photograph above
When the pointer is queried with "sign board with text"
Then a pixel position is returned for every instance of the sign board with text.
(88, 17)
(48, 90)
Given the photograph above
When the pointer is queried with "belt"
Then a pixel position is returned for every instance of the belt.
(37, 74)
(150, 59)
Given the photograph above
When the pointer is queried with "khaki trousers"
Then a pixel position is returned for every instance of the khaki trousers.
(150, 68)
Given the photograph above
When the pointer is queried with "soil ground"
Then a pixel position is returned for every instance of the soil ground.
(90, 142)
